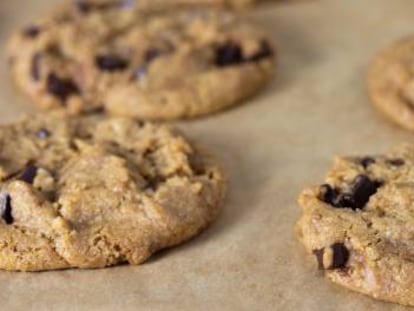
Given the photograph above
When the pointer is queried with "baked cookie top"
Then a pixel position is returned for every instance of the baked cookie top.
(92, 192)
(140, 63)
(391, 82)
(360, 224)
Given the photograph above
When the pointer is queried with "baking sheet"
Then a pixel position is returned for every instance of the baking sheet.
(274, 146)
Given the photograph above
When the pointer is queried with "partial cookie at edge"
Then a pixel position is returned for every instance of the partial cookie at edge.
(153, 65)
(391, 82)
(358, 225)
(92, 192)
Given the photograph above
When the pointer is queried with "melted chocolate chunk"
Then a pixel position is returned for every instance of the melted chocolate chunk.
(6, 208)
(35, 67)
(345, 200)
(62, 88)
(319, 257)
(111, 63)
(43, 134)
(396, 162)
(29, 174)
(362, 189)
(31, 31)
(84, 7)
(367, 161)
(328, 194)
(340, 256)
(229, 54)
(335, 198)
(265, 51)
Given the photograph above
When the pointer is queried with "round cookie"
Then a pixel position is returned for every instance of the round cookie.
(359, 224)
(391, 82)
(152, 65)
(91, 192)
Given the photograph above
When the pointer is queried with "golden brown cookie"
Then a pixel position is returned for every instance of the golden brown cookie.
(391, 82)
(152, 65)
(92, 192)
(359, 224)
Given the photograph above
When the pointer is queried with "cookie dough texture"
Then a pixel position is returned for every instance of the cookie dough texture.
(141, 63)
(391, 82)
(92, 192)
(359, 224)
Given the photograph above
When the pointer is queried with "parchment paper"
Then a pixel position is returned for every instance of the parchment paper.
(273, 146)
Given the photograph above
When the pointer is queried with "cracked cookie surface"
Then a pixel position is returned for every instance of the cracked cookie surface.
(359, 224)
(391, 82)
(91, 192)
(139, 63)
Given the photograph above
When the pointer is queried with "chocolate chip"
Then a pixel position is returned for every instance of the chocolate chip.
(396, 162)
(35, 67)
(229, 54)
(84, 7)
(340, 256)
(328, 194)
(151, 54)
(319, 257)
(31, 31)
(43, 134)
(265, 51)
(62, 88)
(345, 200)
(362, 190)
(6, 208)
(333, 197)
(29, 174)
(367, 161)
(111, 63)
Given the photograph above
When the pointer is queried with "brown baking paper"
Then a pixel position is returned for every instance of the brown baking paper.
(272, 147)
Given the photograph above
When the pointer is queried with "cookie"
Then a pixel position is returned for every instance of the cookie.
(161, 4)
(391, 82)
(92, 192)
(359, 224)
(152, 65)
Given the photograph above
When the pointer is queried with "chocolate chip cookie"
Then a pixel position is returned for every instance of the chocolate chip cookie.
(145, 64)
(160, 4)
(359, 224)
(391, 82)
(91, 192)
